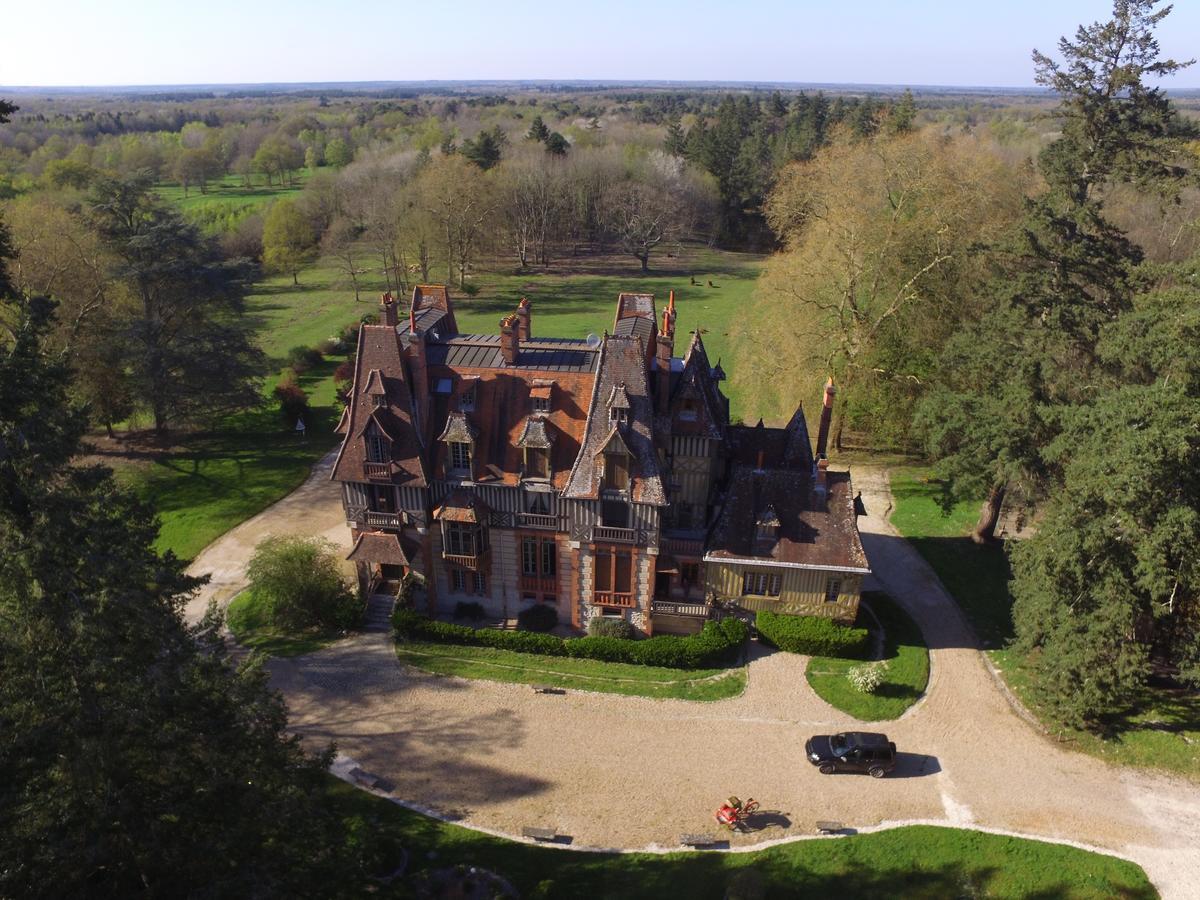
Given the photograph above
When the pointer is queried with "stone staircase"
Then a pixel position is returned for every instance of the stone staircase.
(379, 612)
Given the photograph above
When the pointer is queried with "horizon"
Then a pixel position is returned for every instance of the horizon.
(130, 44)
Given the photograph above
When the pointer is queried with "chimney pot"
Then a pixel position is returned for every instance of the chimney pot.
(387, 308)
(524, 320)
(508, 339)
(826, 416)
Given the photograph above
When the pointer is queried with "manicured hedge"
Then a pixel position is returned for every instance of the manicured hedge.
(539, 617)
(718, 643)
(812, 635)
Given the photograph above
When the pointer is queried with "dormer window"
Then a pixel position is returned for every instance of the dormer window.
(376, 448)
(766, 527)
(460, 456)
(618, 415)
(616, 472)
(688, 410)
(618, 405)
(541, 404)
(537, 462)
(466, 400)
(378, 401)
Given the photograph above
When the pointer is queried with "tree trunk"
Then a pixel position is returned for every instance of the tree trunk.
(989, 515)
(645, 260)
(295, 277)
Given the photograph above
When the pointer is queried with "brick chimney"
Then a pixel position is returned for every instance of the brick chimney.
(387, 310)
(508, 339)
(826, 417)
(664, 348)
(418, 368)
(524, 320)
(821, 483)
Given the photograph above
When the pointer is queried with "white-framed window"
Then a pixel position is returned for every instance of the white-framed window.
(833, 590)
(537, 502)
(761, 584)
(460, 455)
(541, 404)
(467, 401)
(480, 583)
(379, 400)
(618, 415)
(458, 580)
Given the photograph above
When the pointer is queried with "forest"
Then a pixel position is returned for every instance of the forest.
(1003, 288)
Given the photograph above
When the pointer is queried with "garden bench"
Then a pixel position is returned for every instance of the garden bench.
(540, 834)
(548, 689)
(698, 840)
(829, 827)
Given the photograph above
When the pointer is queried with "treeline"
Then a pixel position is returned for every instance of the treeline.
(741, 141)
(1031, 326)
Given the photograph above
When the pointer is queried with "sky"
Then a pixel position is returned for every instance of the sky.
(900, 42)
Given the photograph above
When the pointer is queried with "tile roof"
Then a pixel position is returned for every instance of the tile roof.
(380, 547)
(461, 506)
(812, 533)
(622, 361)
(379, 358)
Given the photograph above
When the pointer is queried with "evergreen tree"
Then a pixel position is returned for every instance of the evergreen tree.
(537, 130)
(675, 142)
(136, 759)
(902, 115)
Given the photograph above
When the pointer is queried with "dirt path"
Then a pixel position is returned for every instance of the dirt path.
(314, 508)
(499, 757)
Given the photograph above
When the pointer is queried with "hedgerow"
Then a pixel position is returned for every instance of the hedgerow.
(811, 635)
(716, 644)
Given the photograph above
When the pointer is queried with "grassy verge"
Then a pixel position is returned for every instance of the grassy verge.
(492, 664)
(907, 674)
(1163, 731)
(248, 620)
(912, 862)
(976, 576)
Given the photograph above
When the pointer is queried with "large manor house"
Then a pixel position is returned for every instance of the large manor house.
(600, 476)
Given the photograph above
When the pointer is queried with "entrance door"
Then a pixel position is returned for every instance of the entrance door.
(662, 585)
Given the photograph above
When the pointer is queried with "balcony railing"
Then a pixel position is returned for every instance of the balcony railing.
(539, 584)
(384, 519)
(538, 520)
(611, 598)
(616, 535)
(467, 562)
(666, 608)
(683, 546)
(378, 470)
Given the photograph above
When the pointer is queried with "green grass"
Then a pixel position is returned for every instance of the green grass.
(249, 620)
(491, 664)
(915, 862)
(907, 675)
(1155, 735)
(977, 576)
(229, 190)
(1163, 731)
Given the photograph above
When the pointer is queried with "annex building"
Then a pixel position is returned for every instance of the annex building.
(601, 476)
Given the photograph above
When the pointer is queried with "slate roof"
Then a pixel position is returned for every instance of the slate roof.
(482, 351)
(812, 534)
(379, 351)
(696, 381)
(622, 361)
(535, 433)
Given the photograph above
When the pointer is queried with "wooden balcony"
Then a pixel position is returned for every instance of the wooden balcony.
(683, 546)
(473, 563)
(538, 520)
(539, 584)
(607, 534)
(667, 608)
(383, 519)
(611, 598)
(378, 471)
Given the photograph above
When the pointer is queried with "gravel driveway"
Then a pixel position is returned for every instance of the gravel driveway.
(500, 757)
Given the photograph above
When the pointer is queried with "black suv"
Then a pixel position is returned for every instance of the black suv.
(851, 751)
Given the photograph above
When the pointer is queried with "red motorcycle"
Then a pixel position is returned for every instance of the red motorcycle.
(733, 814)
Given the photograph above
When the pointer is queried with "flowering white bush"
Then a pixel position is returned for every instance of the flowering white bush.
(867, 677)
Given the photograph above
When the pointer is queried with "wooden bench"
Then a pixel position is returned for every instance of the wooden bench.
(541, 834)
(548, 689)
(698, 840)
(829, 827)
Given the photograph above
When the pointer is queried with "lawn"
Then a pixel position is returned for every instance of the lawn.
(913, 862)
(227, 200)
(493, 664)
(1163, 732)
(907, 674)
(976, 576)
(248, 619)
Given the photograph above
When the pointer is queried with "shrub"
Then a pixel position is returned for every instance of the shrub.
(718, 643)
(468, 610)
(293, 402)
(539, 617)
(868, 677)
(599, 626)
(811, 635)
(328, 347)
(300, 581)
(470, 288)
(301, 359)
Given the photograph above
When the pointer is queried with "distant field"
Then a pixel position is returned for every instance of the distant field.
(226, 201)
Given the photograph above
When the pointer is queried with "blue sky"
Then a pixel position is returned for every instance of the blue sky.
(89, 42)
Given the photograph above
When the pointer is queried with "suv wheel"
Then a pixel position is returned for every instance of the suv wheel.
(826, 769)
(877, 771)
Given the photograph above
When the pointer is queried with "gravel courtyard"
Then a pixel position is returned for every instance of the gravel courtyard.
(499, 756)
